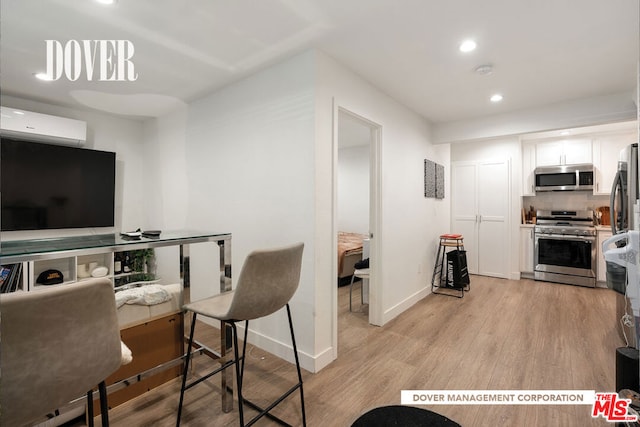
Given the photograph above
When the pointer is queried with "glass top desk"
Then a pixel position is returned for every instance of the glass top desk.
(16, 251)
(34, 250)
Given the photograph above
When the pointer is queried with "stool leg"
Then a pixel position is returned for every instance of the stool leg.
(186, 367)
(104, 406)
(295, 354)
(351, 291)
(239, 373)
(240, 377)
(244, 349)
(438, 267)
(90, 408)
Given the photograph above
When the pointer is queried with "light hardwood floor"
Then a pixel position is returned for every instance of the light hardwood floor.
(502, 335)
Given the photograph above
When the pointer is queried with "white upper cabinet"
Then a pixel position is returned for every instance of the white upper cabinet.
(606, 149)
(573, 151)
(528, 169)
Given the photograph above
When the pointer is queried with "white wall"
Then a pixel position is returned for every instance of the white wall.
(259, 163)
(240, 160)
(109, 133)
(501, 148)
(409, 223)
(353, 189)
(166, 188)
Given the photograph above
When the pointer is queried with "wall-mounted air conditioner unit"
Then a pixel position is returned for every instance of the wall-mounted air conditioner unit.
(21, 124)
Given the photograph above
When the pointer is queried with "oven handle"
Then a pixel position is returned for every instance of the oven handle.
(565, 237)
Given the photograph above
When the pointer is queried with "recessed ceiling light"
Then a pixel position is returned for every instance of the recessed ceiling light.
(467, 46)
(496, 98)
(107, 2)
(565, 133)
(20, 113)
(43, 76)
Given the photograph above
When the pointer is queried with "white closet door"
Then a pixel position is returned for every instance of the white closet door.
(493, 209)
(480, 212)
(464, 209)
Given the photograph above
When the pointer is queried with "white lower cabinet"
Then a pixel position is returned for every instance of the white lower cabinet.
(526, 250)
(602, 265)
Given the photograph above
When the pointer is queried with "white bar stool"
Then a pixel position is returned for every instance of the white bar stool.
(361, 274)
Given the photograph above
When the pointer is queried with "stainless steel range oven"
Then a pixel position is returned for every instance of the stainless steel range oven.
(565, 247)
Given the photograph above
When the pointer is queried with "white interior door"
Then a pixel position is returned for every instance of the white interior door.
(493, 209)
(464, 209)
(480, 212)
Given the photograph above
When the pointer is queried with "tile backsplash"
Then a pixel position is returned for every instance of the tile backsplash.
(565, 200)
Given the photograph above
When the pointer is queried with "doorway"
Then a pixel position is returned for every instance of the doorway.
(357, 202)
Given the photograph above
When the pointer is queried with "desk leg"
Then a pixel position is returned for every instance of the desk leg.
(226, 342)
(184, 272)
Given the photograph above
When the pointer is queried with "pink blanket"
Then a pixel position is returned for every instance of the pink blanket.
(348, 243)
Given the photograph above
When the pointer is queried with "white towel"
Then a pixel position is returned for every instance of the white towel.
(127, 357)
(143, 295)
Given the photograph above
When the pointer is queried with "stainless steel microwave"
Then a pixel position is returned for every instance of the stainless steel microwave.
(564, 178)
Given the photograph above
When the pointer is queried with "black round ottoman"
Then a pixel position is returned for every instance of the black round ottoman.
(405, 416)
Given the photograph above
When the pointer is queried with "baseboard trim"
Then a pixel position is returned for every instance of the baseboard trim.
(402, 306)
(280, 349)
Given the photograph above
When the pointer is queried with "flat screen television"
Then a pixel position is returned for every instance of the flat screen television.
(44, 186)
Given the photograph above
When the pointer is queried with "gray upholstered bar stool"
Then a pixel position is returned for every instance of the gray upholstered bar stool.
(57, 344)
(268, 280)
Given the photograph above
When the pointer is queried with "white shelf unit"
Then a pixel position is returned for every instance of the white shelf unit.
(79, 268)
(66, 266)
(22, 284)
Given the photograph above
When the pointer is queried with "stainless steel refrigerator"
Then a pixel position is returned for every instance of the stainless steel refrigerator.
(624, 197)
(625, 191)
(623, 269)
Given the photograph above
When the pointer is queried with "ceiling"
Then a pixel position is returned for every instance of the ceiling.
(542, 52)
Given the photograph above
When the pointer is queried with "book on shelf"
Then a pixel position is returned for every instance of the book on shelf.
(5, 272)
(10, 276)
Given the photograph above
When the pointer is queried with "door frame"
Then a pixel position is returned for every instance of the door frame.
(375, 218)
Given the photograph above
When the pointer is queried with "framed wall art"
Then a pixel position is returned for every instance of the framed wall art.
(433, 180)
